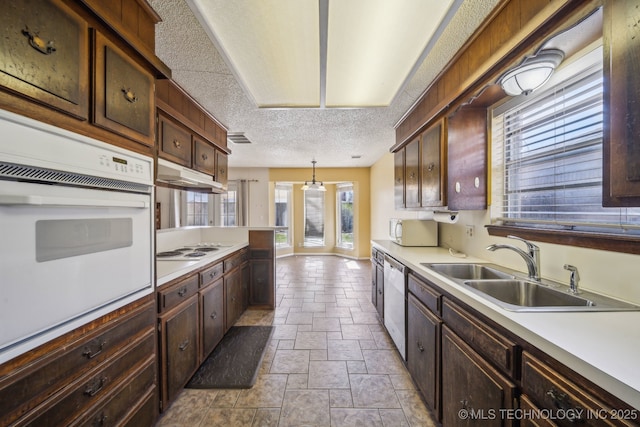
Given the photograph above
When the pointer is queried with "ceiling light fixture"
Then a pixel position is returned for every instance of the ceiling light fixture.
(532, 73)
(313, 185)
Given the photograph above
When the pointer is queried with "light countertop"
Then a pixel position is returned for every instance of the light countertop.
(169, 270)
(601, 346)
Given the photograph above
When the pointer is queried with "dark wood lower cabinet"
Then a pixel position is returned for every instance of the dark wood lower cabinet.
(233, 297)
(473, 392)
(104, 373)
(423, 351)
(179, 356)
(212, 306)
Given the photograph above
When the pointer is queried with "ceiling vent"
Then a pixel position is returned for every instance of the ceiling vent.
(237, 138)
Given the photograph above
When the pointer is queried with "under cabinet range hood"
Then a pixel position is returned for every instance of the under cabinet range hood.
(175, 174)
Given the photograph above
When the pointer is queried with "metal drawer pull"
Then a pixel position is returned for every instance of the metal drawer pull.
(204, 156)
(214, 315)
(177, 143)
(89, 354)
(184, 345)
(129, 95)
(420, 346)
(95, 387)
(37, 43)
(182, 292)
(100, 421)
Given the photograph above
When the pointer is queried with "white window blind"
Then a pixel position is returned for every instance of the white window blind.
(547, 157)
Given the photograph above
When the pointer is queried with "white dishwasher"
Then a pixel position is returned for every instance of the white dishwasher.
(395, 302)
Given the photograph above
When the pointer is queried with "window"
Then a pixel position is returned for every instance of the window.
(547, 156)
(344, 216)
(313, 218)
(283, 214)
(197, 208)
(228, 208)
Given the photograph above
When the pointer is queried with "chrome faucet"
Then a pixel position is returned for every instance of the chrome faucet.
(574, 279)
(532, 257)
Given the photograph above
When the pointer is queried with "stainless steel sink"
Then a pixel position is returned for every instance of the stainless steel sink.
(470, 271)
(527, 294)
(507, 289)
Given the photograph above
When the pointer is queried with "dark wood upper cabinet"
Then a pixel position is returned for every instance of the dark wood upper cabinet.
(467, 159)
(398, 183)
(222, 175)
(412, 174)
(621, 37)
(433, 170)
(124, 99)
(44, 54)
(204, 156)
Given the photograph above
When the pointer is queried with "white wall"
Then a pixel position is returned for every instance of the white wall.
(610, 273)
(258, 193)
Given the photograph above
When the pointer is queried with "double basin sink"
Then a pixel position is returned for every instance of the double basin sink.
(513, 292)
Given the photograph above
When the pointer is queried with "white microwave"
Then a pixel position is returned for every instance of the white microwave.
(413, 232)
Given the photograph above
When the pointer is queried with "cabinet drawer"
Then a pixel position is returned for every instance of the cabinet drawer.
(124, 100)
(92, 388)
(177, 293)
(204, 159)
(496, 348)
(123, 400)
(18, 396)
(425, 293)
(550, 390)
(44, 54)
(211, 274)
(232, 262)
(175, 142)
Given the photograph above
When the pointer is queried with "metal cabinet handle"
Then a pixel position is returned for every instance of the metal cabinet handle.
(184, 345)
(431, 167)
(177, 143)
(214, 315)
(420, 346)
(204, 156)
(95, 387)
(100, 421)
(182, 292)
(129, 95)
(38, 43)
(88, 352)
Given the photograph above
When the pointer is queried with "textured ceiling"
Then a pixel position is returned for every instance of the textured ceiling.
(293, 137)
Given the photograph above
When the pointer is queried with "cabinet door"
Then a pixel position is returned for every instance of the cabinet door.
(179, 346)
(44, 54)
(467, 159)
(433, 170)
(204, 156)
(398, 183)
(262, 286)
(380, 288)
(621, 148)
(412, 174)
(212, 303)
(423, 352)
(233, 297)
(374, 286)
(221, 169)
(174, 142)
(473, 392)
(123, 93)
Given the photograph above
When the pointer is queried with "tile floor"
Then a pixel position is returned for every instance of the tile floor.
(330, 362)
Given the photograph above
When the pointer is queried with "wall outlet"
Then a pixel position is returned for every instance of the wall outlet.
(470, 230)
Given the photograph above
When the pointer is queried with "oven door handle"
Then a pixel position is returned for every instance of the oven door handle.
(30, 200)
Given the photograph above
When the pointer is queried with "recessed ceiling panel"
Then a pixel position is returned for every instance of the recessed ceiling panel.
(273, 46)
(373, 46)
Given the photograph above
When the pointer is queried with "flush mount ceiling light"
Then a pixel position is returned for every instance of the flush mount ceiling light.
(313, 185)
(323, 53)
(532, 73)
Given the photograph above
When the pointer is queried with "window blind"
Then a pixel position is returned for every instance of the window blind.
(547, 159)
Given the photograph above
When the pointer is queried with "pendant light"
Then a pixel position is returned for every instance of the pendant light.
(532, 73)
(313, 185)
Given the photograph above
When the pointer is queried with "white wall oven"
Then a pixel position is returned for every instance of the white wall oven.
(77, 231)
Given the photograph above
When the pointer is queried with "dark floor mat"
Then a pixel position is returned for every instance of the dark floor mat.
(235, 362)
